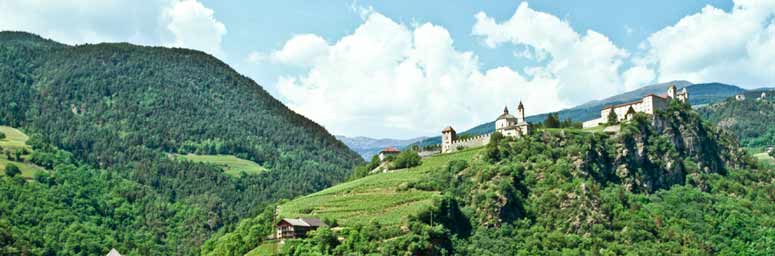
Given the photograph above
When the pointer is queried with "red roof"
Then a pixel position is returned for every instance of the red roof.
(390, 150)
(623, 104)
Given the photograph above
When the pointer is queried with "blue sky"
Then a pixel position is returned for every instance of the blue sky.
(407, 68)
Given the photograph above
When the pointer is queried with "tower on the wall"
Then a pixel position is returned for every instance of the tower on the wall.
(448, 136)
(520, 113)
(671, 91)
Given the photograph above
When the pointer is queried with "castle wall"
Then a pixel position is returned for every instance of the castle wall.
(476, 141)
(593, 122)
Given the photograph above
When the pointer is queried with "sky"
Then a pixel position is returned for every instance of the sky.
(400, 69)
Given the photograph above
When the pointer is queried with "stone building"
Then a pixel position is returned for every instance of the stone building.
(648, 104)
(506, 124)
(511, 126)
(740, 97)
(385, 153)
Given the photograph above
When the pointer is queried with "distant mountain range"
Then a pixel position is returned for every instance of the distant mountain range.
(699, 94)
(368, 147)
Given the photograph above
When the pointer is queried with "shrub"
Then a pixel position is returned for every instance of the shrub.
(406, 159)
(612, 117)
(12, 170)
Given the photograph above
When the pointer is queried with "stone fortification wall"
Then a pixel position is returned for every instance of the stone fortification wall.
(476, 141)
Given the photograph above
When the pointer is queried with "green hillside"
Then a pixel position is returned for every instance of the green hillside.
(122, 109)
(751, 120)
(386, 198)
(666, 184)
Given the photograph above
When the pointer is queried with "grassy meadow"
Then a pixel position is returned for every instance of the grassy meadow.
(16, 140)
(374, 197)
(230, 164)
(766, 159)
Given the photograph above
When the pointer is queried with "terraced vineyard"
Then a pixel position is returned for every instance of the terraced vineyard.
(374, 197)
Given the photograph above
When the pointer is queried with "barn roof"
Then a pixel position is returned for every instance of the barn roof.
(303, 222)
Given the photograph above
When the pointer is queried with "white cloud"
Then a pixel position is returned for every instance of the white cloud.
(301, 50)
(185, 23)
(585, 66)
(194, 26)
(715, 45)
(390, 79)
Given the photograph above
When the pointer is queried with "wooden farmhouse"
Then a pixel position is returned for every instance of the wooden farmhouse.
(297, 228)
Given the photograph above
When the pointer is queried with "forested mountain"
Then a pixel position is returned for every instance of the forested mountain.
(669, 183)
(368, 147)
(699, 94)
(121, 109)
(752, 119)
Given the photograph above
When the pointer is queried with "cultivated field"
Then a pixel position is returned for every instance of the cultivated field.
(230, 164)
(373, 197)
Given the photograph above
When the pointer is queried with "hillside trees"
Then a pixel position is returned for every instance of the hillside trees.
(123, 108)
(612, 118)
(750, 120)
(406, 159)
(11, 170)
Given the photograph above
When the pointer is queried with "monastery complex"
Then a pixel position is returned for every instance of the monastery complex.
(515, 125)
(649, 104)
(507, 124)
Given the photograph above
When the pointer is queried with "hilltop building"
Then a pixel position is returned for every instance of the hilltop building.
(297, 228)
(506, 124)
(649, 104)
(740, 97)
(385, 153)
(764, 96)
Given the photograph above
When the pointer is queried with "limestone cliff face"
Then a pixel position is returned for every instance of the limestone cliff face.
(661, 150)
(556, 174)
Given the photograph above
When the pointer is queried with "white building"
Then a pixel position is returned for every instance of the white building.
(506, 124)
(385, 153)
(511, 126)
(649, 104)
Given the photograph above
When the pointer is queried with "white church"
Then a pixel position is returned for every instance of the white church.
(507, 124)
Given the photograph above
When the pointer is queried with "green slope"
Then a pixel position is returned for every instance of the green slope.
(381, 197)
(666, 184)
(122, 109)
(17, 140)
(751, 120)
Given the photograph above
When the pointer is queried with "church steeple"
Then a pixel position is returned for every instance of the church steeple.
(520, 112)
(505, 109)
